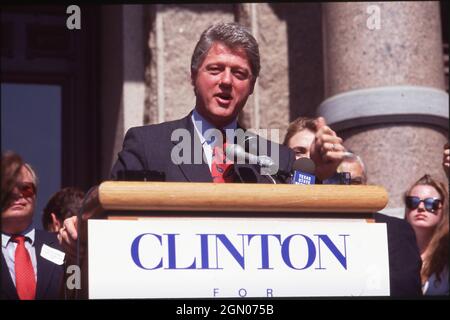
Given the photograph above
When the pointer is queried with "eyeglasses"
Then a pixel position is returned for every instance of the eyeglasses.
(27, 189)
(431, 204)
(339, 178)
(356, 180)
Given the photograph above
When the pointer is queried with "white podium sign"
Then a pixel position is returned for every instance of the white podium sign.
(236, 257)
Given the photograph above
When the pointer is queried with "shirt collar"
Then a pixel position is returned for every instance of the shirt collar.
(27, 233)
(202, 126)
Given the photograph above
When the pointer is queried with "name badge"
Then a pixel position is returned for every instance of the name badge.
(54, 255)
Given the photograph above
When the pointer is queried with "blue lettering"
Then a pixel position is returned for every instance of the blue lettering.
(135, 251)
(238, 252)
(342, 258)
(264, 248)
(172, 253)
(204, 251)
(231, 249)
(286, 254)
(242, 293)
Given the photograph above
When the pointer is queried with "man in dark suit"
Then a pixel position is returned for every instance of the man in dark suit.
(224, 67)
(141, 152)
(30, 265)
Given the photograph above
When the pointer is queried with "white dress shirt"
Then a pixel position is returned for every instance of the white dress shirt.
(206, 134)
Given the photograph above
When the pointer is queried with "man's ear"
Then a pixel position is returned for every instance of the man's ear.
(252, 85)
(56, 224)
(193, 77)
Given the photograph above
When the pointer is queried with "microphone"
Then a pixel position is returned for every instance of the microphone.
(304, 169)
(235, 151)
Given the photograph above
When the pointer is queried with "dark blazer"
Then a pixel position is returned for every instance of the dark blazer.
(49, 275)
(150, 147)
(404, 257)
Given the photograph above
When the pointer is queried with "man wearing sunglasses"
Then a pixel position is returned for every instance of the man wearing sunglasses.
(28, 270)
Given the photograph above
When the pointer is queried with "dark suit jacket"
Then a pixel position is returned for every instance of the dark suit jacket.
(49, 275)
(150, 147)
(404, 257)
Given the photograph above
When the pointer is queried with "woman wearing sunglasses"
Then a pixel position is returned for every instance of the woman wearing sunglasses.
(427, 212)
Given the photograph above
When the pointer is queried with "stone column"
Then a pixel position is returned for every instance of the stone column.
(122, 77)
(385, 89)
(290, 43)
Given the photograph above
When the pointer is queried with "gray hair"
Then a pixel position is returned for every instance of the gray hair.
(33, 174)
(358, 160)
(233, 36)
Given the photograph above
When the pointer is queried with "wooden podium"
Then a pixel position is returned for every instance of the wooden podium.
(147, 200)
(345, 200)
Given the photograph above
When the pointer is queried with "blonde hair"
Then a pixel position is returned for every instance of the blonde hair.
(436, 258)
(437, 252)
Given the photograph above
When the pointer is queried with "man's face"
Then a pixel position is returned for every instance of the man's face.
(355, 169)
(301, 143)
(20, 208)
(222, 84)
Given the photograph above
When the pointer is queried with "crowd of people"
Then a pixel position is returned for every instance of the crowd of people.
(224, 67)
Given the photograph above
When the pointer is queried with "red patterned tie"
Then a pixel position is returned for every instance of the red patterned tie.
(25, 280)
(221, 167)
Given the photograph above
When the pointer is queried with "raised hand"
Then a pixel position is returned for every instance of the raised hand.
(326, 151)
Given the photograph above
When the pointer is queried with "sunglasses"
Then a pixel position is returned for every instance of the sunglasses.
(27, 189)
(431, 204)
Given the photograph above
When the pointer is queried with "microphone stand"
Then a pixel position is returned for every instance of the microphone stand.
(271, 179)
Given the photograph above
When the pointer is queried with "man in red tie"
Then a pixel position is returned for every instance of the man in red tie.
(225, 65)
(28, 271)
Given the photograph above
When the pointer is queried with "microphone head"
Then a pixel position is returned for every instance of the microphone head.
(233, 151)
(304, 165)
(237, 154)
(304, 169)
